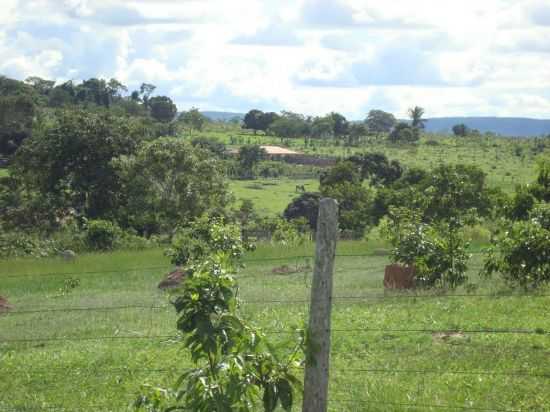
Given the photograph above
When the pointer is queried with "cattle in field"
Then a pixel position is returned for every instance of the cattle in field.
(174, 279)
(399, 277)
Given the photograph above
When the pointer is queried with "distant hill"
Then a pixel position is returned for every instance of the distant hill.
(504, 126)
(222, 116)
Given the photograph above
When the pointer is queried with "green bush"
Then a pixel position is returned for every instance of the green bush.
(521, 254)
(437, 251)
(21, 245)
(203, 237)
(102, 235)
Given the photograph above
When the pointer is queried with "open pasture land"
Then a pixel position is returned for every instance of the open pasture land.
(506, 161)
(87, 344)
(270, 196)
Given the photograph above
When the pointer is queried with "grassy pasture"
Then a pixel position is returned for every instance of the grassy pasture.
(270, 196)
(96, 360)
(507, 161)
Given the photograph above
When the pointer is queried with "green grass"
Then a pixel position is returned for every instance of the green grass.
(270, 196)
(505, 167)
(4, 172)
(380, 366)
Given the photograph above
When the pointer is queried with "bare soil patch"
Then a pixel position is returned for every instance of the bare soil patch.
(4, 305)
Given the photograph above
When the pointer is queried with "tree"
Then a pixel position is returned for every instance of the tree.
(341, 172)
(115, 89)
(446, 192)
(404, 133)
(341, 125)
(377, 168)
(94, 91)
(162, 109)
(343, 183)
(461, 130)
(250, 156)
(290, 125)
(438, 251)
(355, 132)
(266, 119)
(170, 182)
(145, 91)
(304, 206)
(70, 161)
(520, 251)
(214, 146)
(253, 120)
(16, 120)
(62, 95)
(379, 121)
(42, 86)
(322, 127)
(415, 114)
(193, 119)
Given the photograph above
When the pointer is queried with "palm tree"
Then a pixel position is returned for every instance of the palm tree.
(416, 113)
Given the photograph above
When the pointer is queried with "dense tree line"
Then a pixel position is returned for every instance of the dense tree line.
(27, 107)
(290, 125)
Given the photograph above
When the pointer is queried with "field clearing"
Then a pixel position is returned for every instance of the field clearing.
(270, 196)
(506, 161)
(385, 354)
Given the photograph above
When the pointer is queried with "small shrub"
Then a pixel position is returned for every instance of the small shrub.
(437, 251)
(521, 254)
(68, 286)
(206, 236)
(102, 235)
(21, 245)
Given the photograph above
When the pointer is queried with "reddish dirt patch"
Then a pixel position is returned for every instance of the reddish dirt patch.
(174, 279)
(399, 277)
(4, 305)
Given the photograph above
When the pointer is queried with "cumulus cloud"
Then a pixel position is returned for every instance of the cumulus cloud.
(391, 66)
(327, 13)
(540, 14)
(274, 35)
(488, 57)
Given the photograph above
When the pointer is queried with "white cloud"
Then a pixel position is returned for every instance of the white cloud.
(485, 57)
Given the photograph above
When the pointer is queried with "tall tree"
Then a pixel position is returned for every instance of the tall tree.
(416, 114)
(341, 125)
(145, 91)
(170, 182)
(193, 119)
(379, 121)
(42, 86)
(250, 156)
(163, 109)
(16, 120)
(461, 130)
(253, 120)
(71, 160)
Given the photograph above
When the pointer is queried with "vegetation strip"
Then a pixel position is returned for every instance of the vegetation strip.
(411, 405)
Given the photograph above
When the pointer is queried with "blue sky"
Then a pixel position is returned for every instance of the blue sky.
(488, 57)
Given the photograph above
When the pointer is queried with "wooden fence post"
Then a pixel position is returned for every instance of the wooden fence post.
(318, 334)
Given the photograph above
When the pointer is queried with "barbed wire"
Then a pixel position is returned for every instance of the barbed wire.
(337, 299)
(422, 406)
(102, 371)
(539, 332)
